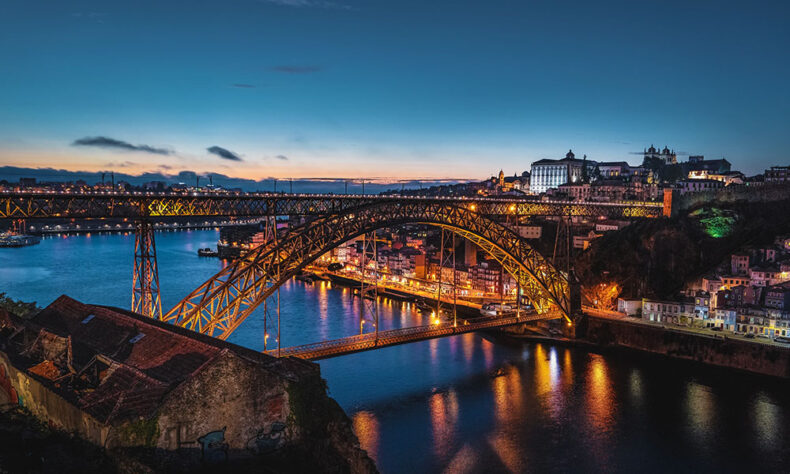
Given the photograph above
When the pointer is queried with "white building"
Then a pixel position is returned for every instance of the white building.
(662, 311)
(631, 307)
(547, 174)
(698, 185)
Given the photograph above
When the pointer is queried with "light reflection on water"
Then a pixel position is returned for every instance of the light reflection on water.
(444, 405)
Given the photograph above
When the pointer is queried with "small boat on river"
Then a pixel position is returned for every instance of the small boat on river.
(18, 240)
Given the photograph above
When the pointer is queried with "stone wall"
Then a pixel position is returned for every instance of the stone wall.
(237, 409)
(720, 351)
(17, 387)
(727, 195)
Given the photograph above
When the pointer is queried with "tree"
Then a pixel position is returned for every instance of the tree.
(17, 307)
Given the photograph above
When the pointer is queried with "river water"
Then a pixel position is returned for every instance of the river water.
(444, 405)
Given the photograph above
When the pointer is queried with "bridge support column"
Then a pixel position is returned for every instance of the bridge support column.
(447, 246)
(145, 279)
(369, 290)
(578, 328)
(270, 235)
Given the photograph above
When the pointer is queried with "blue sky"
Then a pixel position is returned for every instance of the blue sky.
(440, 89)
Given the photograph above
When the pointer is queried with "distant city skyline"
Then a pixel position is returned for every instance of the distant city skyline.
(361, 89)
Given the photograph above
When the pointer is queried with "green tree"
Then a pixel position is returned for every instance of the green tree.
(17, 307)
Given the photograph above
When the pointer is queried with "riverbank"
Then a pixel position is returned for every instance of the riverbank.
(464, 309)
(607, 334)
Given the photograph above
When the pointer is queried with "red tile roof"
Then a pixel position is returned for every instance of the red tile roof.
(135, 373)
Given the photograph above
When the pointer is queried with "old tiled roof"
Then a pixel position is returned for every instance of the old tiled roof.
(159, 353)
(123, 364)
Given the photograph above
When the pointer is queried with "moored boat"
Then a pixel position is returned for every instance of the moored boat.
(207, 252)
(18, 240)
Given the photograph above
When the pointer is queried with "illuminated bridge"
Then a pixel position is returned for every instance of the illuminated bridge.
(394, 337)
(222, 303)
(100, 205)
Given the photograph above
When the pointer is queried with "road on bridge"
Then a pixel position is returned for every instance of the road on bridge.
(393, 337)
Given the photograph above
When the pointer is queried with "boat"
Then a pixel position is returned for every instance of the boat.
(18, 240)
(207, 252)
(306, 277)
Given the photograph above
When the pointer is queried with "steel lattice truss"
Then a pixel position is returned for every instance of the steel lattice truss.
(145, 277)
(19, 205)
(222, 303)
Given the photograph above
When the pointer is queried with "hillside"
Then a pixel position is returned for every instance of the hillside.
(656, 258)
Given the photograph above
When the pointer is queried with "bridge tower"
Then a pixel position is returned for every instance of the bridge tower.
(145, 279)
(447, 260)
(270, 237)
(369, 287)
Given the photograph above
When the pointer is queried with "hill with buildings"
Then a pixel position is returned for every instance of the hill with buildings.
(657, 258)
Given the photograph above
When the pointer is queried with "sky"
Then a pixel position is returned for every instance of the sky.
(376, 89)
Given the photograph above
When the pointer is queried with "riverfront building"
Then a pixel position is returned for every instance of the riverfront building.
(749, 293)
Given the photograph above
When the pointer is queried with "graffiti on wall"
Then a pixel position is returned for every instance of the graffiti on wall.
(7, 387)
(213, 447)
(268, 440)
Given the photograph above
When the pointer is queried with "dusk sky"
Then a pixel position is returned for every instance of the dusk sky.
(402, 89)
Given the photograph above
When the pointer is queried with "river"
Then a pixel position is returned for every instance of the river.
(444, 405)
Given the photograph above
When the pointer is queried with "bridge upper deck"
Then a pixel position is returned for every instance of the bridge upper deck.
(97, 205)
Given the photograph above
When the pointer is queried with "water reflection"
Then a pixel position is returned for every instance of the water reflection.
(439, 405)
(543, 378)
(766, 418)
(508, 395)
(444, 416)
(600, 401)
(366, 427)
(635, 386)
(699, 412)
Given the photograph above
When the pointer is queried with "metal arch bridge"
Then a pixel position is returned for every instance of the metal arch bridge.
(221, 304)
(101, 205)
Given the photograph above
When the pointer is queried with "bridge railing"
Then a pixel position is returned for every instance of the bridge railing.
(397, 336)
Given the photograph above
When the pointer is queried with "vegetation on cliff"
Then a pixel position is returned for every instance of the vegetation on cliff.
(17, 307)
(656, 258)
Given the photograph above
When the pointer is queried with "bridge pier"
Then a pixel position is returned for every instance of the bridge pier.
(145, 279)
(578, 326)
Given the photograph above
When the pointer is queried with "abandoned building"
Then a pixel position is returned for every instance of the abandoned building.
(121, 380)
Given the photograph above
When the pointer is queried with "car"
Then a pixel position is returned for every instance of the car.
(749, 336)
(715, 328)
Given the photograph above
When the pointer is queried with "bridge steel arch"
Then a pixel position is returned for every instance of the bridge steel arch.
(222, 303)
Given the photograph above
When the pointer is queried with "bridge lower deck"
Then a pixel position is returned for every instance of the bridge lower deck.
(393, 337)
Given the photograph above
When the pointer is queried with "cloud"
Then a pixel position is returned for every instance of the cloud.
(244, 86)
(291, 69)
(223, 153)
(281, 157)
(308, 4)
(122, 164)
(111, 143)
(165, 167)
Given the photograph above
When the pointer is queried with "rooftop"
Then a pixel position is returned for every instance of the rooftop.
(111, 363)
